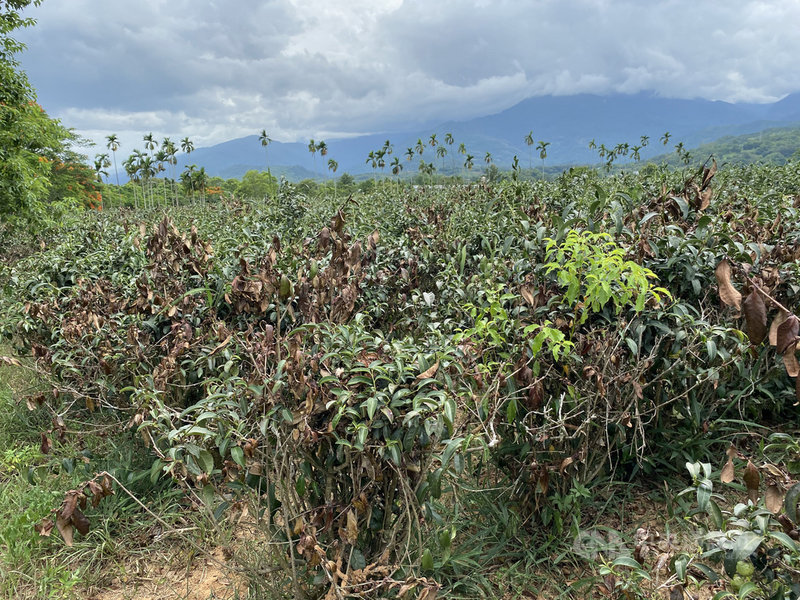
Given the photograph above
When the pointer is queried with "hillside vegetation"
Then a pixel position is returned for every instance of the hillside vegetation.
(415, 389)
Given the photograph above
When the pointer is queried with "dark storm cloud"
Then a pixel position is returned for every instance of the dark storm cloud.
(303, 68)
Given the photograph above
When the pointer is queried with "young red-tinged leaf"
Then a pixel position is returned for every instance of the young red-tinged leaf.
(790, 361)
(755, 314)
(773, 328)
(752, 479)
(728, 473)
(65, 529)
(727, 293)
(773, 498)
(787, 333)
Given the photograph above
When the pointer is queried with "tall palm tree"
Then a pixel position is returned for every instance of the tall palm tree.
(112, 143)
(265, 142)
(387, 147)
(100, 163)
(488, 158)
(380, 156)
(432, 140)
(171, 151)
(420, 147)
(312, 147)
(397, 168)
(409, 153)
(132, 169)
(149, 141)
(372, 160)
(529, 142)
(542, 148)
(162, 157)
(468, 163)
(187, 145)
(332, 166)
(448, 139)
(323, 149)
(441, 152)
(187, 178)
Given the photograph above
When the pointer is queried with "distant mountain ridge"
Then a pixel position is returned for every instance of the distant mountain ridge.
(568, 123)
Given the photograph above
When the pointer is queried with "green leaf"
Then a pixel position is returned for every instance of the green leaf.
(206, 461)
(372, 406)
(237, 454)
(626, 561)
(747, 543)
(427, 560)
(790, 502)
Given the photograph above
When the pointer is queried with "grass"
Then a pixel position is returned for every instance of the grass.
(122, 534)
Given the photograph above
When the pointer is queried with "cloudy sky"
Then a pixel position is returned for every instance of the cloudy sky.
(215, 70)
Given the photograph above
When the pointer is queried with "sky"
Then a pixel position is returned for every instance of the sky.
(215, 70)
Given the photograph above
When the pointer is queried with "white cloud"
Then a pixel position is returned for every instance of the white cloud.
(310, 68)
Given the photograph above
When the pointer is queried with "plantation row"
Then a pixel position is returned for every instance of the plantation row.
(358, 365)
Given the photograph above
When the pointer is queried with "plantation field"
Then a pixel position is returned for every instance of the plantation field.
(578, 387)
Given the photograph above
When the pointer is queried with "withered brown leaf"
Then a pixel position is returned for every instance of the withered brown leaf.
(787, 333)
(790, 361)
(755, 314)
(752, 479)
(727, 293)
(728, 473)
(773, 328)
(773, 498)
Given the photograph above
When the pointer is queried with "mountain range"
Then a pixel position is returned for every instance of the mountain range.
(568, 123)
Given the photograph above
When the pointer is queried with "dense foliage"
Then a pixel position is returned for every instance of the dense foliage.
(348, 362)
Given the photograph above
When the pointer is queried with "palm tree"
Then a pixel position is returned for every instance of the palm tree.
(372, 160)
(187, 145)
(420, 146)
(172, 160)
(387, 147)
(529, 142)
(149, 141)
(397, 167)
(441, 152)
(542, 148)
(322, 147)
(187, 178)
(100, 163)
(665, 138)
(132, 169)
(113, 145)
(265, 141)
(201, 181)
(462, 149)
(468, 162)
(332, 166)
(448, 139)
(162, 157)
(379, 156)
(432, 140)
(409, 153)
(312, 147)
(488, 158)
